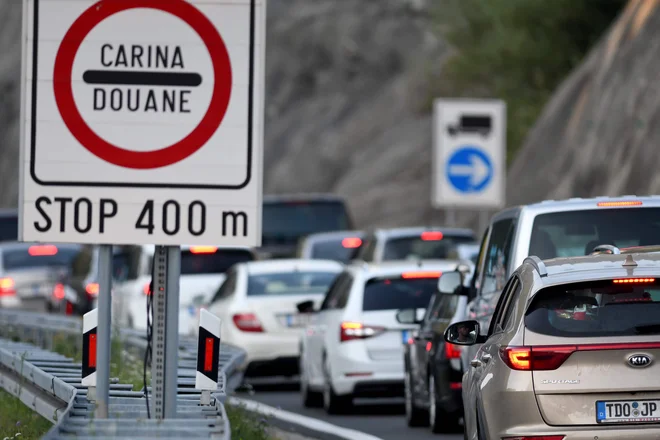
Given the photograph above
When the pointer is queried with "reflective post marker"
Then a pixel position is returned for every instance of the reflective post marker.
(208, 355)
(90, 324)
(104, 331)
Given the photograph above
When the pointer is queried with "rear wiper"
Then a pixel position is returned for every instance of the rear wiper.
(649, 329)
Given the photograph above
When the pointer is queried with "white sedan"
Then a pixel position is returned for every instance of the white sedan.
(257, 306)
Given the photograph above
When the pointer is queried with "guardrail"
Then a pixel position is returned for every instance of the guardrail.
(50, 383)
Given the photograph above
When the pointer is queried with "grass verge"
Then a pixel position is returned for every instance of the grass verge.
(18, 421)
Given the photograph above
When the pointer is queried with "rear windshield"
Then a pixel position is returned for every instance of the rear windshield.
(600, 308)
(8, 228)
(289, 283)
(290, 220)
(569, 234)
(212, 263)
(398, 293)
(332, 249)
(416, 247)
(22, 259)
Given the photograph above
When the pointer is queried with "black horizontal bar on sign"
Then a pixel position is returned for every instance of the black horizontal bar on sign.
(129, 78)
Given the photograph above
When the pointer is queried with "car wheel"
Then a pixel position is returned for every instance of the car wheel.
(415, 416)
(332, 402)
(439, 421)
(310, 399)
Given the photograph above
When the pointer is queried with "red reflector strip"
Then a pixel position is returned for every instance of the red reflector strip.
(627, 203)
(208, 355)
(91, 362)
(633, 280)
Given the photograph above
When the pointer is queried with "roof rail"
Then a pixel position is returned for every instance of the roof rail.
(605, 248)
(538, 264)
(640, 249)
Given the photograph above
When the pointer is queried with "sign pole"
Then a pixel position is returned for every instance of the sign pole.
(172, 330)
(158, 332)
(104, 331)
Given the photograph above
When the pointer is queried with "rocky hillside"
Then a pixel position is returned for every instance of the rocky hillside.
(599, 135)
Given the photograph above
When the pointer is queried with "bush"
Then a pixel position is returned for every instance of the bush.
(517, 50)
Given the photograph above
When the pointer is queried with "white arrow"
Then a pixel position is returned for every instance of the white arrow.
(477, 170)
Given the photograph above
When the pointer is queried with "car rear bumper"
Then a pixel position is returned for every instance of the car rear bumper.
(263, 349)
(281, 366)
(642, 432)
(369, 378)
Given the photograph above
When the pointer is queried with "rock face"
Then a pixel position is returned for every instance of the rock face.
(599, 135)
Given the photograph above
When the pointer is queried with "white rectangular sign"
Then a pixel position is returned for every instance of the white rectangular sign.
(142, 121)
(469, 153)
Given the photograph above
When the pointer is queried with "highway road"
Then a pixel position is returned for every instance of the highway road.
(383, 418)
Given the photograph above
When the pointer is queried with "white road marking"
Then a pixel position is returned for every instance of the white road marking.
(300, 420)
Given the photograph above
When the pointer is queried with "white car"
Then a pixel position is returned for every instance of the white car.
(202, 272)
(354, 345)
(257, 306)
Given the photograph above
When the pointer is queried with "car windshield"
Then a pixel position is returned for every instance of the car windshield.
(422, 247)
(213, 261)
(602, 308)
(338, 249)
(291, 220)
(569, 234)
(398, 293)
(38, 256)
(290, 283)
(8, 228)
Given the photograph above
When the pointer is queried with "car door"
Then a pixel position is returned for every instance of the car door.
(419, 347)
(484, 365)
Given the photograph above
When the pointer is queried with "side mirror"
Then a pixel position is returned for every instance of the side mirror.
(464, 333)
(407, 316)
(451, 283)
(305, 306)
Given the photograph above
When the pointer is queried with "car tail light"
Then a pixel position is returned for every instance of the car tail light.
(634, 280)
(452, 351)
(351, 242)
(536, 437)
(42, 250)
(69, 308)
(58, 291)
(432, 236)
(7, 287)
(427, 274)
(92, 289)
(247, 322)
(203, 250)
(536, 358)
(622, 203)
(146, 289)
(356, 330)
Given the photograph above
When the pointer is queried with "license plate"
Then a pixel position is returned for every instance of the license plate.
(405, 335)
(628, 411)
(300, 320)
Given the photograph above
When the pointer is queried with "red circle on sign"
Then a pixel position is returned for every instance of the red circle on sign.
(62, 84)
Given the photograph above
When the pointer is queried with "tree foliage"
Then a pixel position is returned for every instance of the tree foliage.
(517, 50)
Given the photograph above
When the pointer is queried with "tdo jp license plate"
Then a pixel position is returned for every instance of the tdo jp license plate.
(628, 411)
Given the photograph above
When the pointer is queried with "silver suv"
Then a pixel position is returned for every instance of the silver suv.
(550, 229)
(570, 352)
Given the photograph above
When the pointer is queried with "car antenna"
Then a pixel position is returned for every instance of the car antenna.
(630, 261)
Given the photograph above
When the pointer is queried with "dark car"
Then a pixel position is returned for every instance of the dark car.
(338, 246)
(433, 372)
(289, 217)
(8, 225)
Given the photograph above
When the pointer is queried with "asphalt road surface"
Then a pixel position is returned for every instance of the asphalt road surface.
(382, 418)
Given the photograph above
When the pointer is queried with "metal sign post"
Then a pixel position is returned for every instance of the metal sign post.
(172, 329)
(104, 331)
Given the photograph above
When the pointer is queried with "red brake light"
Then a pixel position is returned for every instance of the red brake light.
(42, 250)
(58, 291)
(626, 203)
(203, 250)
(146, 289)
(351, 242)
(634, 280)
(7, 287)
(536, 437)
(452, 351)
(356, 330)
(408, 275)
(69, 308)
(247, 322)
(432, 235)
(92, 289)
(536, 358)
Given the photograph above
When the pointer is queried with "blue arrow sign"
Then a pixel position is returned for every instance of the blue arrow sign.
(469, 169)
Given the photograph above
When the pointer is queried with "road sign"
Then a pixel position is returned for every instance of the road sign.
(469, 153)
(143, 121)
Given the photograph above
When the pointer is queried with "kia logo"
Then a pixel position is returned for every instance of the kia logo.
(639, 360)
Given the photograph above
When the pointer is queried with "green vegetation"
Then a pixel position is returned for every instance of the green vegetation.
(517, 50)
(246, 425)
(16, 418)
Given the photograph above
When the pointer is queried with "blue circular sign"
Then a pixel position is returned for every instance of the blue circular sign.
(469, 169)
